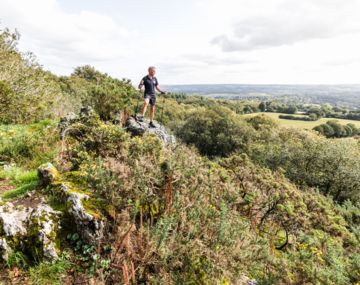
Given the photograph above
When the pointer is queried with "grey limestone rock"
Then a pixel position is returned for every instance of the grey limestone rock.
(136, 128)
(29, 227)
(89, 225)
(47, 174)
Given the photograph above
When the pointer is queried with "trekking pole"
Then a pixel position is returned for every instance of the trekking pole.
(137, 106)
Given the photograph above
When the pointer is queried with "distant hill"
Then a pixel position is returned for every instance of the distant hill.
(337, 95)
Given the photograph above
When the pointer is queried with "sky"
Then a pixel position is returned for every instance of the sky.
(194, 41)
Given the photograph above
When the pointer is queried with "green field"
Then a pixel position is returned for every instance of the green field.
(303, 124)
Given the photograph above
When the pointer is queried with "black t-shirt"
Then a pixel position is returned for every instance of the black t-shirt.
(150, 84)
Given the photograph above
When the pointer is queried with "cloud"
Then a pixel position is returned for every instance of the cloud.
(61, 37)
(290, 23)
(216, 60)
(343, 61)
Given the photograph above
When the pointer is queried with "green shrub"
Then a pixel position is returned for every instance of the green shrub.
(215, 131)
(22, 180)
(50, 273)
(29, 145)
(17, 258)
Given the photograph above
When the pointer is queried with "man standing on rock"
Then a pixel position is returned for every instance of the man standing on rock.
(150, 82)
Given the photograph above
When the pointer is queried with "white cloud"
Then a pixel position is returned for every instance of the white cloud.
(63, 40)
(201, 41)
(289, 22)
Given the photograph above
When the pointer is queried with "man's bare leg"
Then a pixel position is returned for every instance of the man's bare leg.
(146, 102)
(152, 112)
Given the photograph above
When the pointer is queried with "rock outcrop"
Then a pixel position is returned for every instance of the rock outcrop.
(86, 113)
(89, 224)
(132, 125)
(29, 226)
(136, 128)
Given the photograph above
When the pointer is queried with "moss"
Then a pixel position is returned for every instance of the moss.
(73, 187)
(111, 210)
(20, 191)
(14, 242)
(76, 184)
(76, 177)
(34, 248)
(94, 207)
(1, 228)
(280, 238)
(57, 204)
(51, 169)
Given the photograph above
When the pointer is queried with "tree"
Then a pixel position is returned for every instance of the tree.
(328, 130)
(215, 131)
(339, 130)
(290, 109)
(262, 107)
(35, 93)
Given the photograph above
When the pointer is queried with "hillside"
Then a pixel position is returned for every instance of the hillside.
(345, 95)
(224, 199)
(309, 125)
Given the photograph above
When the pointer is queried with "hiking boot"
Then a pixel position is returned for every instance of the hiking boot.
(151, 125)
(140, 118)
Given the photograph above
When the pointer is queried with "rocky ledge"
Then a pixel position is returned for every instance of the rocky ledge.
(33, 224)
(136, 128)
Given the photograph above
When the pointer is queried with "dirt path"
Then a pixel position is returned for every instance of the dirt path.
(5, 185)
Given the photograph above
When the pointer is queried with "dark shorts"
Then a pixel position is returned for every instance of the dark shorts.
(152, 98)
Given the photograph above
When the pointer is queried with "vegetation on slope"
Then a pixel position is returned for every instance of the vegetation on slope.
(236, 196)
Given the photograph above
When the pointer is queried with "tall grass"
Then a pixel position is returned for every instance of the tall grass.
(22, 180)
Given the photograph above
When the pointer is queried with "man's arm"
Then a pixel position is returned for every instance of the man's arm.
(141, 84)
(158, 89)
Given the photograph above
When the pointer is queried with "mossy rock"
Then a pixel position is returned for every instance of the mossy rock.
(33, 231)
(47, 174)
(83, 210)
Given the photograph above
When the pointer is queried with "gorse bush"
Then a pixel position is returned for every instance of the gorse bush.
(215, 131)
(311, 161)
(106, 95)
(306, 159)
(240, 197)
(29, 145)
(190, 220)
(24, 85)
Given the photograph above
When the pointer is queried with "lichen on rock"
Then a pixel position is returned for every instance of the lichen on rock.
(44, 225)
(5, 249)
(47, 174)
(29, 229)
(89, 225)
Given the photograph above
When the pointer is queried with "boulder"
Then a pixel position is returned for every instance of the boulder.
(89, 224)
(65, 122)
(137, 128)
(47, 174)
(87, 114)
(32, 229)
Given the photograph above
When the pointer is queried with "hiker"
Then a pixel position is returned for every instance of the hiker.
(150, 82)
